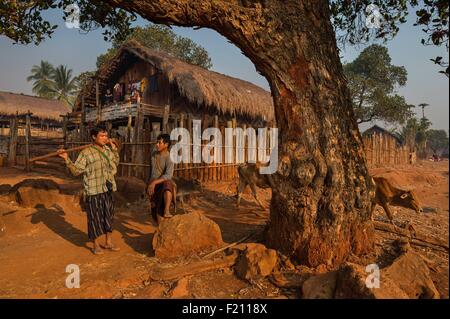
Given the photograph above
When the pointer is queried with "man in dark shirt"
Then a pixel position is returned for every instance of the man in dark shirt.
(160, 187)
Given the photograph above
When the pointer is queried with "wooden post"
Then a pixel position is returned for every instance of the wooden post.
(165, 118)
(170, 127)
(138, 127)
(97, 102)
(191, 172)
(12, 141)
(216, 164)
(27, 141)
(146, 149)
(205, 170)
(183, 173)
(229, 168)
(82, 121)
(128, 139)
(233, 168)
(223, 167)
(108, 127)
(65, 130)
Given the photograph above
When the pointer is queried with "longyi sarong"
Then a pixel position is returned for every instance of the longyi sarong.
(158, 198)
(100, 214)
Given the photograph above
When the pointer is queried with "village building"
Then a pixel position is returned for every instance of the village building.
(28, 126)
(140, 93)
(384, 148)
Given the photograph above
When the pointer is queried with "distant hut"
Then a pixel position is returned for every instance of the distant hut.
(384, 148)
(45, 113)
(44, 119)
(140, 92)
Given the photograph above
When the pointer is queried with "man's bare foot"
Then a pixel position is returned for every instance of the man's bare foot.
(97, 251)
(111, 247)
(167, 214)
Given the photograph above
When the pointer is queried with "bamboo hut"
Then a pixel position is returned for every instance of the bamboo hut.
(384, 148)
(170, 93)
(29, 125)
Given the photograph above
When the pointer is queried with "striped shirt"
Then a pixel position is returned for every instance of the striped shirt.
(96, 169)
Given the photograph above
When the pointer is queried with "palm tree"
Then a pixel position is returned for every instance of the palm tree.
(65, 85)
(423, 106)
(42, 75)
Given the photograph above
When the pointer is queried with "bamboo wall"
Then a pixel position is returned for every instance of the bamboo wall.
(138, 138)
(20, 141)
(383, 150)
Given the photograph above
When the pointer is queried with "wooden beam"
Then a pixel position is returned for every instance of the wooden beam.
(82, 121)
(12, 141)
(27, 142)
(173, 273)
(165, 118)
(97, 101)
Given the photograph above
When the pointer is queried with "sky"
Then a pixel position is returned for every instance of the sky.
(79, 52)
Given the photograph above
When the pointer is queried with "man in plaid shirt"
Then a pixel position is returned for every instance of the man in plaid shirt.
(98, 164)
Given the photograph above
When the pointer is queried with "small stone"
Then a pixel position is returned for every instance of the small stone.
(256, 262)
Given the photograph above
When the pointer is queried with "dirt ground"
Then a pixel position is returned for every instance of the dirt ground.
(37, 244)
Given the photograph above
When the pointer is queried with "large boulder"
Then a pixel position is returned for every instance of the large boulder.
(255, 262)
(45, 192)
(320, 287)
(411, 274)
(408, 277)
(351, 283)
(184, 235)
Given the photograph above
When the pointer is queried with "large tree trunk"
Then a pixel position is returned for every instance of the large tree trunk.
(320, 207)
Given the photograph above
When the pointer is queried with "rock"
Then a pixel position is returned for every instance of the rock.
(5, 188)
(289, 279)
(412, 275)
(351, 283)
(255, 262)
(181, 288)
(407, 277)
(42, 192)
(154, 290)
(320, 287)
(184, 235)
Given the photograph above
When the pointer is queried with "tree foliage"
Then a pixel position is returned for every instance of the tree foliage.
(437, 140)
(22, 21)
(416, 133)
(42, 77)
(373, 81)
(162, 38)
(53, 83)
(349, 19)
(64, 84)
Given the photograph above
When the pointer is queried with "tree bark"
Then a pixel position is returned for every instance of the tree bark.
(320, 207)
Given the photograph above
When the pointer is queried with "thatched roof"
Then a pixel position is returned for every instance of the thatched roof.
(199, 85)
(10, 103)
(380, 130)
